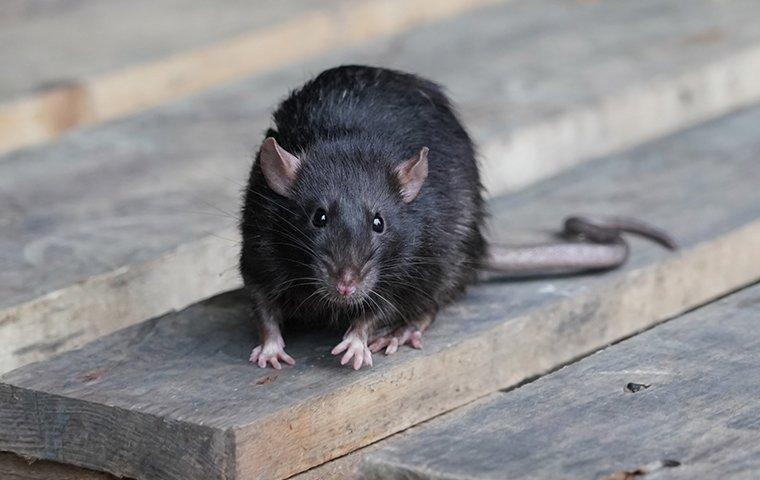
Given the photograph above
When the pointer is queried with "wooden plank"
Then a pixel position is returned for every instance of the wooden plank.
(174, 397)
(183, 49)
(683, 394)
(44, 45)
(111, 226)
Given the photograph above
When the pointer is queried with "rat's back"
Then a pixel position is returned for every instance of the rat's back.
(395, 107)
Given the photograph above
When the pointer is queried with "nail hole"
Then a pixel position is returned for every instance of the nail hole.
(635, 387)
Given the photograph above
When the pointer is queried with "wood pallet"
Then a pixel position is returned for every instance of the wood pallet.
(174, 397)
(94, 245)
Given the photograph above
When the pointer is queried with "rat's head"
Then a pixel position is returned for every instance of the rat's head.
(351, 217)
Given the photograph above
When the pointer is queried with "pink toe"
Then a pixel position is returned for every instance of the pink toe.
(346, 357)
(417, 339)
(378, 344)
(341, 347)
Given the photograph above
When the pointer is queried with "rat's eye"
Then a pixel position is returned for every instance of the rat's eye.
(320, 218)
(377, 223)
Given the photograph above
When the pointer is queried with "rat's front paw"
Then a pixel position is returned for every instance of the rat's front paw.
(355, 347)
(271, 352)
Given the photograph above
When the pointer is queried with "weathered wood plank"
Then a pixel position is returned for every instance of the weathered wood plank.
(111, 226)
(174, 397)
(697, 408)
(86, 67)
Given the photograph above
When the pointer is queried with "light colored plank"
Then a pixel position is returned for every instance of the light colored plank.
(700, 410)
(110, 226)
(180, 386)
(97, 68)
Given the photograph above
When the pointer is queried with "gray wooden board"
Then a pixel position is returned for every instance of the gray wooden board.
(44, 43)
(701, 410)
(115, 224)
(174, 397)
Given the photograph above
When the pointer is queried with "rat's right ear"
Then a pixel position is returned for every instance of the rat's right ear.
(279, 166)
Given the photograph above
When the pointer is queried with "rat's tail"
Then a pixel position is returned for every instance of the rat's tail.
(592, 245)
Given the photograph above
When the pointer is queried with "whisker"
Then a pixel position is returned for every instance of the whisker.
(371, 291)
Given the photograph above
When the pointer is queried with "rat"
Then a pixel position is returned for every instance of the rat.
(364, 209)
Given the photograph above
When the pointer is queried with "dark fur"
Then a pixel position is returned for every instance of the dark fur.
(351, 126)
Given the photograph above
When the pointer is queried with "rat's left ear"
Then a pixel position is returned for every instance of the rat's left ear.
(412, 174)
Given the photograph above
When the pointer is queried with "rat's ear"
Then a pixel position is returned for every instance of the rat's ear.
(279, 166)
(412, 174)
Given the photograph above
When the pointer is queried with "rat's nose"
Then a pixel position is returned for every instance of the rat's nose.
(347, 283)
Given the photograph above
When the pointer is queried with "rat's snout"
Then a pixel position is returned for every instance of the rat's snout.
(347, 282)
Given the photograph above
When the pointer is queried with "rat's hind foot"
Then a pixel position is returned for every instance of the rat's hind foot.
(271, 352)
(411, 334)
(398, 337)
(355, 346)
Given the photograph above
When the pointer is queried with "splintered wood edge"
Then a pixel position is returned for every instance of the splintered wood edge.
(39, 117)
(17, 468)
(377, 406)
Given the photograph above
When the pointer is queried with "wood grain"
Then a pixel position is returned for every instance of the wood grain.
(128, 88)
(679, 400)
(174, 397)
(125, 221)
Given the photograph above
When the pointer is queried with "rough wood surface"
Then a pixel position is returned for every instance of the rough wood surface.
(71, 66)
(13, 467)
(119, 223)
(684, 392)
(174, 397)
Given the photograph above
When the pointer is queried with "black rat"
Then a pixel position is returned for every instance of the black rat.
(364, 208)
